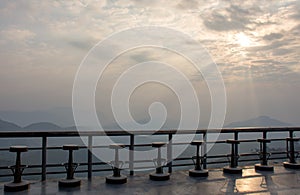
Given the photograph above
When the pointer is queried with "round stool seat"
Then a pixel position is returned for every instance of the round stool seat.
(196, 143)
(158, 144)
(264, 140)
(232, 141)
(70, 147)
(116, 146)
(18, 149)
(293, 139)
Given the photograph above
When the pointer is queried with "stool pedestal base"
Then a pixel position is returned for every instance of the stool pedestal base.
(198, 173)
(291, 165)
(159, 176)
(69, 183)
(14, 187)
(260, 167)
(230, 170)
(116, 180)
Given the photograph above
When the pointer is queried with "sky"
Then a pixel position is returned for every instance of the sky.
(255, 44)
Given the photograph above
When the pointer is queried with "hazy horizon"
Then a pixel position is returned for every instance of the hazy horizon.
(65, 120)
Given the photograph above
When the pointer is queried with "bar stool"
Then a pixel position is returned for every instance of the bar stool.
(233, 166)
(263, 156)
(291, 154)
(17, 169)
(116, 165)
(159, 174)
(198, 162)
(70, 167)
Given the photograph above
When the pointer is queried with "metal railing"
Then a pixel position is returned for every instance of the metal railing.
(45, 135)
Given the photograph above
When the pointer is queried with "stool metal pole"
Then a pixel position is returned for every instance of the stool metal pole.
(198, 171)
(17, 169)
(263, 155)
(70, 171)
(117, 172)
(290, 147)
(70, 167)
(263, 146)
(116, 177)
(233, 165)
(198, 163)
(233, 162)
(159, 174)
(159, 166)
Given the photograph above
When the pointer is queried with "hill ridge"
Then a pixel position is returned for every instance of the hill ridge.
(260, 121)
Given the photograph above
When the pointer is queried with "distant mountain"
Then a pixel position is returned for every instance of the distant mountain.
(8, 126)
(43, 126)
(261, 121)
(62, 116)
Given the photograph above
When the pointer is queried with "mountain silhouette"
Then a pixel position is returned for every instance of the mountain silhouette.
(261, 121)
(8, 126)
(43, 126)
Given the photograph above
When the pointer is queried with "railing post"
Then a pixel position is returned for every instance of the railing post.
(90, 156)
(292, 149)
(169, 152)
(204, 150)
(131, 154)
(236, 148)
(264, 149)
(44, 157)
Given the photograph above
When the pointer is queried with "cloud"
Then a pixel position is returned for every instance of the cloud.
(17, 35)
(281, 52)
(229, 17)
(192, 4)
(272, 36)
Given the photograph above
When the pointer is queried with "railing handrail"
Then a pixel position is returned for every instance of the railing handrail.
(69, 133)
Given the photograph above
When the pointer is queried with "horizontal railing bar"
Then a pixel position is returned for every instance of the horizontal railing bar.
(143, 132)
(136, 145)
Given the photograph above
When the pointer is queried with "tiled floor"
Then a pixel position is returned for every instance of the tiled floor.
(281, 181)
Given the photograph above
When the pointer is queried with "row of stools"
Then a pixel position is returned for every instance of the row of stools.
(264, 156)
(159, 175)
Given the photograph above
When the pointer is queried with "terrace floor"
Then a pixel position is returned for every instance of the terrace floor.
(281, 181)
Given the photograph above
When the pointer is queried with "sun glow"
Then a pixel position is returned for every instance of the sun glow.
(243, 40)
